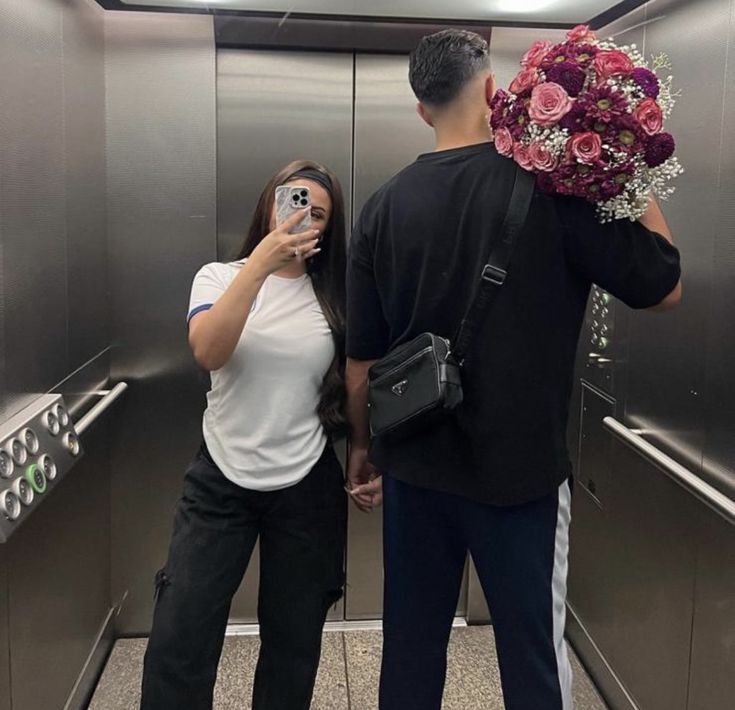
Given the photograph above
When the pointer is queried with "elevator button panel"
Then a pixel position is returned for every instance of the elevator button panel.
(38, 446)
(599, 336)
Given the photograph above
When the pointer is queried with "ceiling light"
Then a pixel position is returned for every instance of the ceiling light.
(523, 6)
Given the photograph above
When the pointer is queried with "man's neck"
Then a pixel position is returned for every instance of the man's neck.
(459, 137)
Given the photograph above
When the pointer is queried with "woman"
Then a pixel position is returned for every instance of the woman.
(270, 329)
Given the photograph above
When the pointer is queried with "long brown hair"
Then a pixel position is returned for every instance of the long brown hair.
(327, 272)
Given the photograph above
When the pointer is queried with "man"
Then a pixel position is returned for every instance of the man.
(494, 478)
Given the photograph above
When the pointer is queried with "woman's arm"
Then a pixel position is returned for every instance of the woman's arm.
(213, 334)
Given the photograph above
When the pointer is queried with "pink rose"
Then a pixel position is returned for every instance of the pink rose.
(522, 157)
(586, 147)
(650, 116)
(612, 63)
(541, 157)
(581, 33)
(525, 81)
(504, 142)
(549, 104)
(534, 56)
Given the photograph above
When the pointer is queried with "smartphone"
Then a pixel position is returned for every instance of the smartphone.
(290, 199)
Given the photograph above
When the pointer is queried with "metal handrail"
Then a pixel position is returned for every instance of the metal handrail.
(109, 397)
(719, 502)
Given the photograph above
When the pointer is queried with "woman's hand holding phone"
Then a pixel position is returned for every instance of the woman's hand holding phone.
(279, 248)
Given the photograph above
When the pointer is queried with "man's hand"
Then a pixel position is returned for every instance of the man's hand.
(364, 483)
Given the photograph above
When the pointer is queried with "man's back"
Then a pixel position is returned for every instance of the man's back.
(416, 257)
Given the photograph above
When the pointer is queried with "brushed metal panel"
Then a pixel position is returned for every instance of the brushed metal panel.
(719, 454)
(59, 588)
(32, 199)
(388, 136)
(632, 585)
(712, 685)
(160, 143)
(667, 362)
(509, 44)
(272, 108)
(4, 635)
(84, 143)
(388, 132)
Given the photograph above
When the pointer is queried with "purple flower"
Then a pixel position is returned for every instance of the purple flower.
(500, 106)
(604, 104)
(659, 149)
(610, 189)
(518, 120)
(647, 80)
(584, 53)
(574, 121)
(568, 75)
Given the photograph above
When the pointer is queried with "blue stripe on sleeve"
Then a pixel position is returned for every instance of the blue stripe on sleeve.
(198, 309)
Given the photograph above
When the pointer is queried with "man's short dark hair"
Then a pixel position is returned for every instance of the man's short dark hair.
(444, 62)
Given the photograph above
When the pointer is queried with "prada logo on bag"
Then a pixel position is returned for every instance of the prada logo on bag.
(400, 388)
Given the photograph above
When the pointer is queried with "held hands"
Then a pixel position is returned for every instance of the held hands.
(364, 483)
(279, 248)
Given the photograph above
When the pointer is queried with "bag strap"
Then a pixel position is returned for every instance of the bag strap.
(494, 272)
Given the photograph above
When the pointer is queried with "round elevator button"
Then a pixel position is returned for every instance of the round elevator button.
(10, 505)
(52, 423)
(37, 478)
(18, 451)
(30, 439)
(6, 465)
(48, 465)
(23, 490)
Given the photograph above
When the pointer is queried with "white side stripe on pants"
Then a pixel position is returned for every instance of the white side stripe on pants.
(559, 593)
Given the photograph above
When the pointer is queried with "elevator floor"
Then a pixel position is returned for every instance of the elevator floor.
(348, 675)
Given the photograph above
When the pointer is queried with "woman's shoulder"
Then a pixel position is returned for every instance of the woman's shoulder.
(220, 270)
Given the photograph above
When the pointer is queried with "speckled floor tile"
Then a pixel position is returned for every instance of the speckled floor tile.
(473, 682)
(119, 686)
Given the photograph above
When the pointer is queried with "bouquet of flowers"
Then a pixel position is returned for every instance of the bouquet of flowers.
(587, 117)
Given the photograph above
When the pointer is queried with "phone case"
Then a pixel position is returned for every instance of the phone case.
(290, 198)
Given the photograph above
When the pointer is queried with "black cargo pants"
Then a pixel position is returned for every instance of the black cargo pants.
(302, 532)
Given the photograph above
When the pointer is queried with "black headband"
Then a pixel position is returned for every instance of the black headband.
(317, 176)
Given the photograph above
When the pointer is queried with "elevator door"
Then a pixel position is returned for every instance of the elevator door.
(356, 115)
(388, 136)
(272, 108)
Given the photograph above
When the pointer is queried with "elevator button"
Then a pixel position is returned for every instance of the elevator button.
(71, 442)
(605, 298)
(6, 465)
(62, 415)
(23, 490)
(30, 439)
(10, 505)
(52, 423)
(603, 343)
(48, 465)
(36, 477)
(18, 451)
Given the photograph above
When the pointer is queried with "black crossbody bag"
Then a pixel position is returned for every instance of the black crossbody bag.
(420, 382)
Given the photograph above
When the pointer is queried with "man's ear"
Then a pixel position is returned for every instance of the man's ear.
(490, 88)
(425, 115)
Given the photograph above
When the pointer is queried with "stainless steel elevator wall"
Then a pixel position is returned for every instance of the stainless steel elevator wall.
(161, 178)
(652, 592)
(54, 572)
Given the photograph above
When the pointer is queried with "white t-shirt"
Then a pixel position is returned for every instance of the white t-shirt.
(261, 425)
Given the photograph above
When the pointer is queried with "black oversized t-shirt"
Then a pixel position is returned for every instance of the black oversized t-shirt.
(415, 257)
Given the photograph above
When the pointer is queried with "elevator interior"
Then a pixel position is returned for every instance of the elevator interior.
(132, 147)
